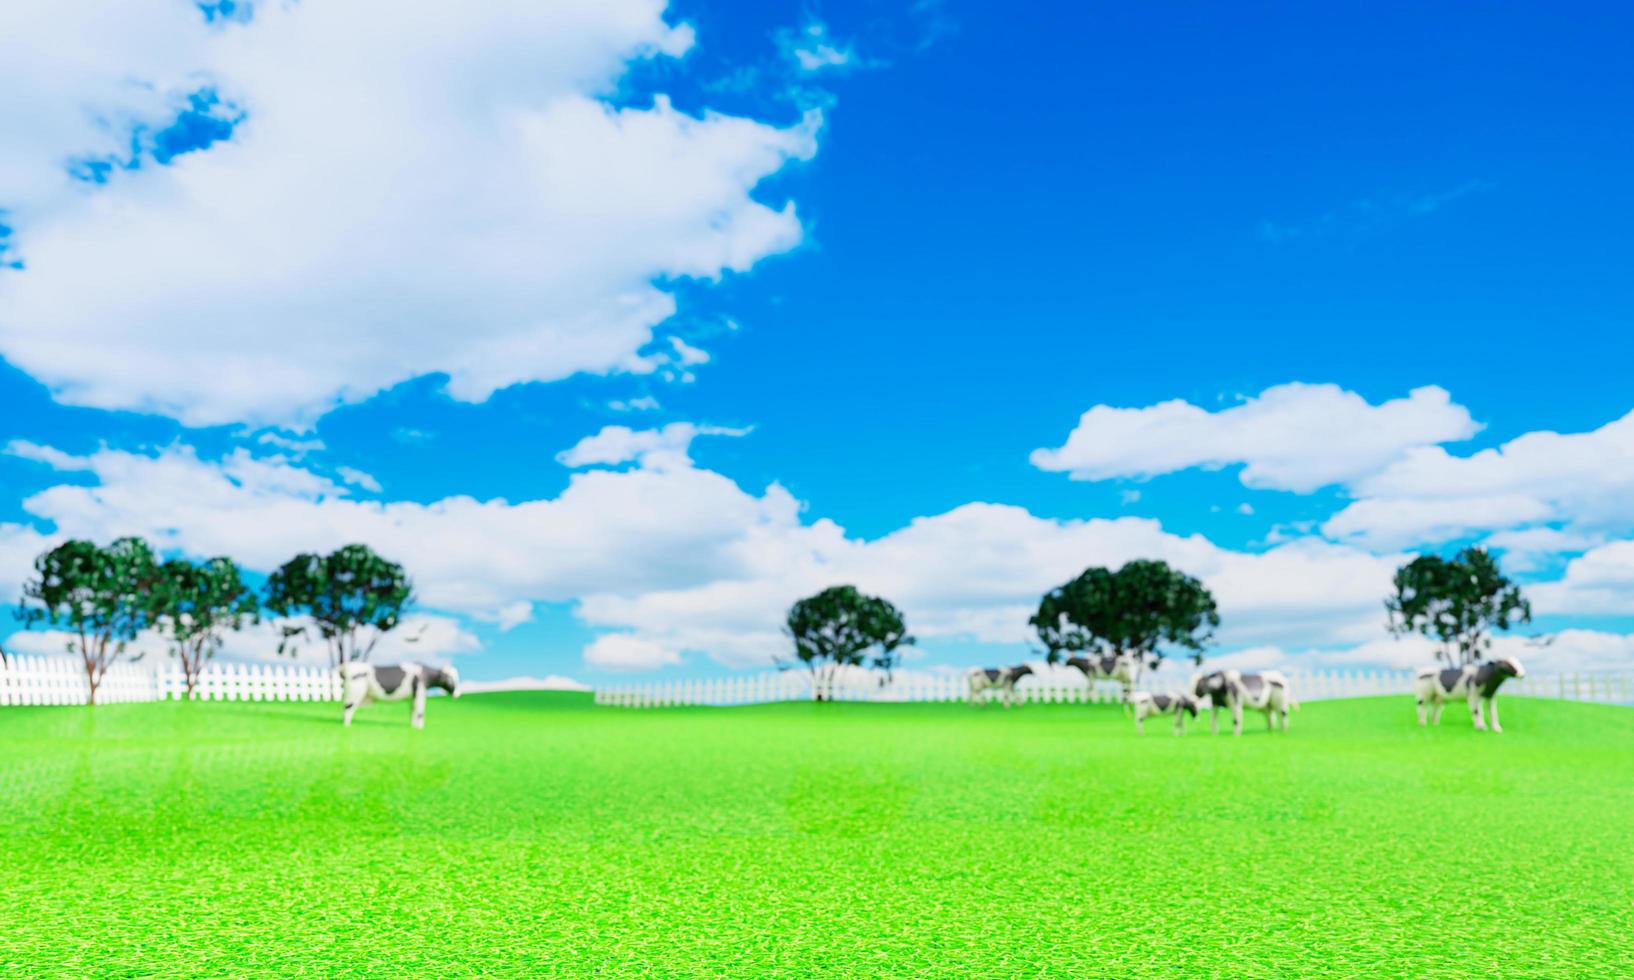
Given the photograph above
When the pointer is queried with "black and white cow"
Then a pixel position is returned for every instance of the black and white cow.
(1121, 667)
(1475, 683)
(1267, 691)
(362, 683)
(1000, 680)
(1147, 704)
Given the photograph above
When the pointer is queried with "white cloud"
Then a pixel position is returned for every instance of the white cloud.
(645, 403)
(625, 651)
(1582, 480)
(549, 682)
(509, 616)
(296, 447)
(687, 355)
(672, 560)
(1295, 437)
(812, 48)
(616, 444)
(358, 478)
(1399, 522)
(54, 458)
(19, 546)
(412, 191)
(1599, 582)
(74, 76)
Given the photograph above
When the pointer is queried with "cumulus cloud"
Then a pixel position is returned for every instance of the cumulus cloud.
(628, 652)
(1599, 582)
(671, 560)
(418, 190)
(19, 545)
(1296, 437)
(616, 444)
(1583, 481)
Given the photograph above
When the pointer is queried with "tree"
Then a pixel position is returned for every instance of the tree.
(352, 596)
(1135, 610)
(1457, 602)
(838, 626)
(195, 604)
(104, 596)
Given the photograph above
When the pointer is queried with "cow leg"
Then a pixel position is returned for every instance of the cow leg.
(419, 718)
(1492, 709)
(1140, 723)
(1421, 718)
(1214, 719)
(1180, 722)
(1435, 712)
(1237, 718)
(1475, 711)
(1270, 718)
(351, 707)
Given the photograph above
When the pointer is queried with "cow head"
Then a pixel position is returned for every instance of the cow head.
(1510, 667)
(1017, 673)
(1083, 665)
(446, 678)
(1209, 687)
(1189, 705)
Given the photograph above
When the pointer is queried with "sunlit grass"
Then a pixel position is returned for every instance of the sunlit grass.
(533, 835)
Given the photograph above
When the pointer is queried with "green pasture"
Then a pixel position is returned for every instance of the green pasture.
(533, 835)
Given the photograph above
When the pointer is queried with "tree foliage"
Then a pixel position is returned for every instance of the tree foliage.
(194, 605)
(352, 597)
(1138, 609)
(102, 595)
(838, 627)
(1457, 602)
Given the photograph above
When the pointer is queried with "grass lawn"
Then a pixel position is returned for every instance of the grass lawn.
(532, 835)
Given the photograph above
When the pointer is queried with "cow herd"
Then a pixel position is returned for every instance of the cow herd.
(1267, 691)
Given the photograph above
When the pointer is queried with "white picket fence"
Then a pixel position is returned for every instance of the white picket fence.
(1615, 687)
(61, 680)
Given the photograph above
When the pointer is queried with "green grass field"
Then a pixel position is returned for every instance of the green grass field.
(531, 835)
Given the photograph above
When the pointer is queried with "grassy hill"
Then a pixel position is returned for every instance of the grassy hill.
(535, 835)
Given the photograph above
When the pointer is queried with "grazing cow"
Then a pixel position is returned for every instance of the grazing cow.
(997, 679)
(1475, 683)
(1179, 705)
(1121, 667)
(1233, 689)
(365, 682)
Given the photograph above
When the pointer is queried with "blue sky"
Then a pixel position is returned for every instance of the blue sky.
(1000, 220)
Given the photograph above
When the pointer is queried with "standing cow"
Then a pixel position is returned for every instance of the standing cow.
(1147, 705)
(1475, 683)
(1267, 691)
(362, 683)
(997, 679)
(1121, 667)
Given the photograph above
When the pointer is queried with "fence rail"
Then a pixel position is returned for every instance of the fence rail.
(61, 680)
(1615, 687)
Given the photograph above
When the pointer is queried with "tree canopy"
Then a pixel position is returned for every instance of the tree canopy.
(838, 627)
(195, 604)
(352, 596)
(1457, 602)
(1139, 609)
(102, 595)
